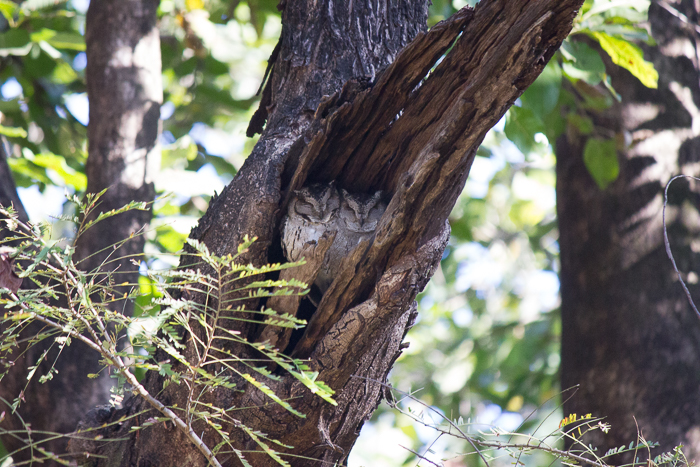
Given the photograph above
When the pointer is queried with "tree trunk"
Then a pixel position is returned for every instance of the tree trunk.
(8, 190)
(125, 90)
(125, 93)
(629, 337)
(382, 125)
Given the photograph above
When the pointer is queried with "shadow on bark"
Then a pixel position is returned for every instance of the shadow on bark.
(411, 130)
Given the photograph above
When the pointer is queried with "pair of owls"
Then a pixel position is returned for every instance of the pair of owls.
(318, 208)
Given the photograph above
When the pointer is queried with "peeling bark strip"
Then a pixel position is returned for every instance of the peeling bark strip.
(421, 159)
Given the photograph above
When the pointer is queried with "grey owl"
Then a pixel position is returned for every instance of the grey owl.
(319, 208)
(357, 220)
(312, 211)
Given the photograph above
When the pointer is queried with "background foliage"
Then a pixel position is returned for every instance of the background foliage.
(485, 347)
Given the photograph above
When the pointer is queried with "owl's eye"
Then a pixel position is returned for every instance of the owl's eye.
(349, 212)
(304, 208)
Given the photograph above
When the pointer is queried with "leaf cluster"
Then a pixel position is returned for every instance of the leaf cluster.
(71, 305)
(575, 85)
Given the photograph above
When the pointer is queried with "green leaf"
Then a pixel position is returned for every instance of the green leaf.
(629, 32)
(148, 290)
(43, 253)
(13, 132)
(50, 50)
(271, 394)
(178, 154)
(38, 63)
(624, 8)
(8, 9)
(170, 239)
(542, 96)
(582, 62)
(43, 34)
(68, 40)
(31, 5)
(64, 73)
(629, 57)
(200, 247)
(139, 205)
(521, 126)
(15, 42)
(27, 173)
(58, 164)
(273, 454)
(600, 157)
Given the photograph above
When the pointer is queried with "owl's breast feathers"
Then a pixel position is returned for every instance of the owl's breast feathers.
(317, 209)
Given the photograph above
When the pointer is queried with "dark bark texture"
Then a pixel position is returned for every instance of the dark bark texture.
(8, 190)
(349, 99)
(629, 338)
(125, 93)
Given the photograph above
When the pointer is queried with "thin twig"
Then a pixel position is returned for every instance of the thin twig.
(420, 456)
(475, 441)
(155, 403)
(668, 244)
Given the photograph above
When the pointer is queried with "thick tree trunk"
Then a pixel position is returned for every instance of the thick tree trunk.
(125, 89)
(125, 93)
(629, 337)
(377, 130)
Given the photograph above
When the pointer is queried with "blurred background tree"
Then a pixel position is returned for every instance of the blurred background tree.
(487, 343)
(629, 334)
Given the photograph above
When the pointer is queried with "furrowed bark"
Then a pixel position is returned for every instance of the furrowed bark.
(629, 337)
(421, 158)
(125, 92)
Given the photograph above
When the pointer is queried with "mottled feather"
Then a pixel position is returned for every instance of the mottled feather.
(319, 208)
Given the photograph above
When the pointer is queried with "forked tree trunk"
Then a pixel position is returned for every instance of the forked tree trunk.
(383, 126)
(125, 92)
(629, 337)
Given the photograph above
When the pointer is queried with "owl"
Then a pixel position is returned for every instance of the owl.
(312, 211)
(357, 220)
(360, 212)
(319, 208)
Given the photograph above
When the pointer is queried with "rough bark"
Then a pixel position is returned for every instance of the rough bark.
(314, 254)
(418, 135)
(125, 93)
(8, 190)
(629, 337)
